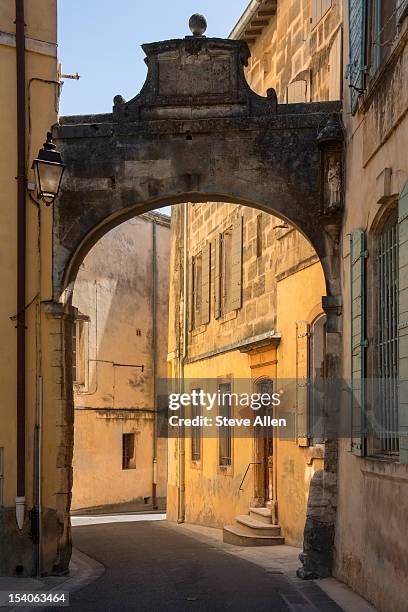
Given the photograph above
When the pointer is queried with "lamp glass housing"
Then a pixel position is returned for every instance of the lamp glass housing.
(48, 177)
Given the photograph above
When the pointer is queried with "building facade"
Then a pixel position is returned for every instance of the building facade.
(29, 96)
(371, 538)
(122, 311)
(255, 289)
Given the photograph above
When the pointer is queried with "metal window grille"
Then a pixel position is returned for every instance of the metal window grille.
(387, 339)
(195, 433)
(128, 451)
(225, 431)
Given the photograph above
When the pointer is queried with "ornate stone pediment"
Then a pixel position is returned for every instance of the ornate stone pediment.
(195, 78)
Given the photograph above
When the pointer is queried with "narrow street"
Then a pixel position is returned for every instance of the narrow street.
(151, 566)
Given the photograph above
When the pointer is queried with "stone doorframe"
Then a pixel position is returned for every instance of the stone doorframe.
(196, 132)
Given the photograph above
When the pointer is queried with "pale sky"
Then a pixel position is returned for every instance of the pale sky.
(100, 39)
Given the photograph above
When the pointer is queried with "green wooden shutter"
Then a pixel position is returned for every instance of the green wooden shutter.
(357, 43)
(217, 279)
(205, 284)
(190, 296)
(403, 324)
(358, 256)
(302, 387)
(236, 264)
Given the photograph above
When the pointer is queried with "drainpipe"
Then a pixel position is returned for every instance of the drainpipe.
(21, 260)
(182, 452)
(38, 431)
(154, 366)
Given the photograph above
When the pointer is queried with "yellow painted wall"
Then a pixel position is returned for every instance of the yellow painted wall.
(293, 289)
(212, 493)
(116, 294)
(41, 106)
(299, 298)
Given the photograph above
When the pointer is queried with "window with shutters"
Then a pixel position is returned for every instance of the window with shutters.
(128, 451)
(199, 288)
(383, 428)
(383, 29)
(197, 291)
(357, 67)
(225, 431)
(259, 235)
(196, 433)
(302, 386)
(358, 341)
(317, 374)
(80, 340)
(228, 270)
(226, 278)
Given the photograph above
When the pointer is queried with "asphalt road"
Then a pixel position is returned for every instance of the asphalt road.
(151, 566)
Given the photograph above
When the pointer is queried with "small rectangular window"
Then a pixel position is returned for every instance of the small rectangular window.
(128, 451)
(225, 431)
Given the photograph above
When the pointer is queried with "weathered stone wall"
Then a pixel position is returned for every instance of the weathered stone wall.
(297, 46)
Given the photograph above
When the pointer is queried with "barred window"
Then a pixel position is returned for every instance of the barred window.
(225, 431)
(386, 407)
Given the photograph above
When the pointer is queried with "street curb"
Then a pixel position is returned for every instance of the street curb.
(82, 571)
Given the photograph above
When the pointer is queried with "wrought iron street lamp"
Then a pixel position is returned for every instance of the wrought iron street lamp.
(48, 169)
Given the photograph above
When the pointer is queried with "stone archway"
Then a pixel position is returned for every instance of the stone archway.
(196, 132)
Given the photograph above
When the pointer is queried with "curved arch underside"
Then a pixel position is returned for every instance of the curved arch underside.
(196, 132)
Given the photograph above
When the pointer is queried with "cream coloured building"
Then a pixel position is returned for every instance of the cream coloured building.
(121, 301)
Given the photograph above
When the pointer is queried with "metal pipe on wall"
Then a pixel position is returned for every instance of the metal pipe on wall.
(154, 363)
(181, 438)
(21, 259)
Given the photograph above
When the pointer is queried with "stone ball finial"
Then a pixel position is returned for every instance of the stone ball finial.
(197, 24)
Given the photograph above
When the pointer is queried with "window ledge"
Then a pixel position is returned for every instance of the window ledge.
(198, 330)
(385, 468)
(229, 316)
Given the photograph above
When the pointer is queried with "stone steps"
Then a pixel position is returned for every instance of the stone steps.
(252, 526)
(237, 536)
(261, 514)
(253, 529)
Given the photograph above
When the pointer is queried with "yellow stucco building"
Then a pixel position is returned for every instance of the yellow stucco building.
(31, 118)
(264, 337)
